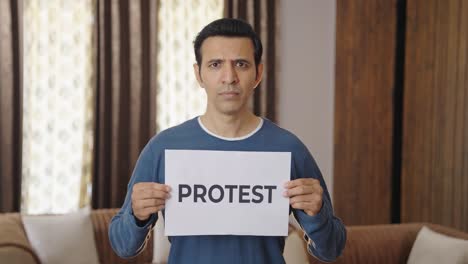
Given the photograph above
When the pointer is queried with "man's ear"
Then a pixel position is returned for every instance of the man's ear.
(196, 71)
(259, 74)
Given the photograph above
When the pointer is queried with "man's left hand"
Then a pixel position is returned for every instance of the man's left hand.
(305, 194)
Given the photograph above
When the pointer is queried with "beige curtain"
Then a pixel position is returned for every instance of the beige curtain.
(126, 94)
(261, 14)
(58, 86)
(10, 104)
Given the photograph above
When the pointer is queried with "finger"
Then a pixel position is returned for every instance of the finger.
(150, 194)
(301, 181)
(307, 206)
(162, 187)
(157, 194)
(151, 185)
(149, 203)
(299, 190)
(304, 198)
(318, 189)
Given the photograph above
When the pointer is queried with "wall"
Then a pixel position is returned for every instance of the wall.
(306, 76)
(401, 121)
(435, 126)
(365, 88)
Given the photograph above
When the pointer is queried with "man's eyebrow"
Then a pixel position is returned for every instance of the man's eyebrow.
(242, 60)
(215, 60)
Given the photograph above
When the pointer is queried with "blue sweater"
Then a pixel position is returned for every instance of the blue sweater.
(325, 234)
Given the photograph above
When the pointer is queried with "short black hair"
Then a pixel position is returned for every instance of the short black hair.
(228, 27)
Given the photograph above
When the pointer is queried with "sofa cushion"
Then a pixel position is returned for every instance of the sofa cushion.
(161, 244)
(431, 247)
(10, 253)
(64, 238)
(295, 247)
(14, 245)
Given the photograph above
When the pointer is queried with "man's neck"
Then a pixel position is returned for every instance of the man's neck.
(230, 126)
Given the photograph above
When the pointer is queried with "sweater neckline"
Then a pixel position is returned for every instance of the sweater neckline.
(259, 126)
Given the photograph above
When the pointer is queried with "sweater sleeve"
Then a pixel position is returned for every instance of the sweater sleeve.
(127, 237)
(324, 233)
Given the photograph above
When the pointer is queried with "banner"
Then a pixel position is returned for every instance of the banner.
(226, 193)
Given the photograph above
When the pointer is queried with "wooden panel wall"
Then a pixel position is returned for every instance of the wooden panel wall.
(435, 138)
(365, 61)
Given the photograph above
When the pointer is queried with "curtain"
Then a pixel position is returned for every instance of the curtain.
(179, 96)
(10, 105)
(58, 86)
(126, 94)
(261, 14)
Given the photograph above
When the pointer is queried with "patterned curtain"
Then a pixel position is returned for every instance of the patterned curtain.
(58, 95)
(261, 14)
(179, 96)
(10, 104)
(145, 84)
(125, 105)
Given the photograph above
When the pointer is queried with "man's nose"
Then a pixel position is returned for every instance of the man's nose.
(230, 74)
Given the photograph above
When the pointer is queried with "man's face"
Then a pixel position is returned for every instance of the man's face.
(227, 73)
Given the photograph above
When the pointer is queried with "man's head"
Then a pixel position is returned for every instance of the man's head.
(228, 27)
(228, 65)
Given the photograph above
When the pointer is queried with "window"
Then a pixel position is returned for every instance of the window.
(179, 96)
(59, 81)
(57, 121)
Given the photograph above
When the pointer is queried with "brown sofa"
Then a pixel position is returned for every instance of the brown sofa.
(366, 244)
(385, 244)
(15, 248)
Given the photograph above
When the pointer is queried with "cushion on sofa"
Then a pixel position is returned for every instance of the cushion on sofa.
(67, 238)
(14, 245)
(161, 245)
(432, 247)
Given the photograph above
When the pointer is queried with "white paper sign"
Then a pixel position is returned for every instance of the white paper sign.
(227, 193)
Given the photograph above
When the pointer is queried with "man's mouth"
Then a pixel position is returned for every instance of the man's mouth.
(229, 94)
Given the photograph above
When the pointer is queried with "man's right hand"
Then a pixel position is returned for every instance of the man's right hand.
(148, 198)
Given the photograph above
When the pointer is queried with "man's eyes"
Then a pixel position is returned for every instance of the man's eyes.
(242, 64)
(239, 64)
(214, 65)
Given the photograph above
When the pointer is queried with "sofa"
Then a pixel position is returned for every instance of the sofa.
(385, 244)
(366, 244)
(16, 248)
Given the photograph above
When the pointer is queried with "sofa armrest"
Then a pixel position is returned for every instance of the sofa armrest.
(379, 243)
(447, 231)
(14, 244)
(101, 219)
(385, 244)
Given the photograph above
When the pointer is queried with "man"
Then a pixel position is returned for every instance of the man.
(228, 66)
